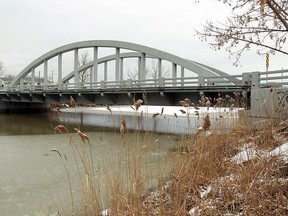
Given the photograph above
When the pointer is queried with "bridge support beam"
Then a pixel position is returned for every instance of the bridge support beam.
(121, 69)
(143, 67)
(45, 74)
(182, 76)
(117, 60)
(91, 77)
(33, 79)
(95, 65)
(60, 86)
(174, 74)
(159, 68)
(105, 71)
(76, 73)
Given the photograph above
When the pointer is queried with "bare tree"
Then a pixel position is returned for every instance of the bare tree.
(84, 75)
(154, 73)
(259, 23)
(133, 75)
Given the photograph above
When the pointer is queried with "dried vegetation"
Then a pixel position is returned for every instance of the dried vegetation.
(206, 178)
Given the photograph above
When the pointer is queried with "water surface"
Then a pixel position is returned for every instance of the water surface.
(33, 180)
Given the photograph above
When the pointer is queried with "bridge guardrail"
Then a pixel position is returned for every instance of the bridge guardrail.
(277, 77)
(258, 79)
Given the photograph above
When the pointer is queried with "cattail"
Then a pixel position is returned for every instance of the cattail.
(271, 89)
(187, 101)
(182, 103)
(155, 115)
(109, 109)
(175, 115)
(82, 136)
(55, 150)
(144, 97)
(72, 102)
(197, 114)
(206, 122)
(208, 104)
(162, 110)
(123, 127)
(61, 129)
(139, 101)
(138, 104)
(182, 111)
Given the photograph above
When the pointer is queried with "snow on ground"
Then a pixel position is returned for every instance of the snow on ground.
(250, 153)
(281, 151)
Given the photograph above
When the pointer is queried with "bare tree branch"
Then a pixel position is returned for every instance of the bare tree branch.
(84, 75)
(259, 23)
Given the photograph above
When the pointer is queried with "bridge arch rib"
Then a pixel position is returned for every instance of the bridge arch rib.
(138, 51)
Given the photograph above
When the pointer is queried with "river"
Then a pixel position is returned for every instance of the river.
(33, 180)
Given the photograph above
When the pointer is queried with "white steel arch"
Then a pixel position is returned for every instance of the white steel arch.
(140, 51)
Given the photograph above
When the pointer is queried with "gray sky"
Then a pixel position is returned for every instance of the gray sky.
(30, 28)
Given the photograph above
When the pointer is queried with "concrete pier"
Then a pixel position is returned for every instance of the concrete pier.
(149, 118)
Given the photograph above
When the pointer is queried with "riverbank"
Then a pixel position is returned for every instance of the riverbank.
(240, 172)
(234, 169)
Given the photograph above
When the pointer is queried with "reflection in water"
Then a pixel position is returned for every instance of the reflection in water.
(17, 124)
(33, 180)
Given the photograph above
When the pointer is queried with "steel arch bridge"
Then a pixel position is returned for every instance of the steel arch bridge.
(24, 93)
(137, 51)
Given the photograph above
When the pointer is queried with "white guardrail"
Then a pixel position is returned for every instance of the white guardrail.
(258, 79)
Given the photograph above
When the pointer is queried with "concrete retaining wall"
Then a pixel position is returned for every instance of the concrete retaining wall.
(269, 102)
(142, 120)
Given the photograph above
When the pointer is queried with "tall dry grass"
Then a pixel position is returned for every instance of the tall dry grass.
(204, 180)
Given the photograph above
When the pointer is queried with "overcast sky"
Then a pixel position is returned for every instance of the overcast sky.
(30, 28)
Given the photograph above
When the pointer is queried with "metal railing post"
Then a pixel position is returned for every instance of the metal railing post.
(201, 80)
(102, 84)
(161, 82)
(255, 79)
(129, 83)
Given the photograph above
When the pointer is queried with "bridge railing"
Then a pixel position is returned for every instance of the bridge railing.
(276, 77)
(161, 82)
(258, 79)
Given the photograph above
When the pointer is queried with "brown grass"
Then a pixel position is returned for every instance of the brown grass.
(204, 180)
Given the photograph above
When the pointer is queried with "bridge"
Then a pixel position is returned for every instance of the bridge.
(107, 82)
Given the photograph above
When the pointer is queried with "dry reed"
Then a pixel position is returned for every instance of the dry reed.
(204, 181)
